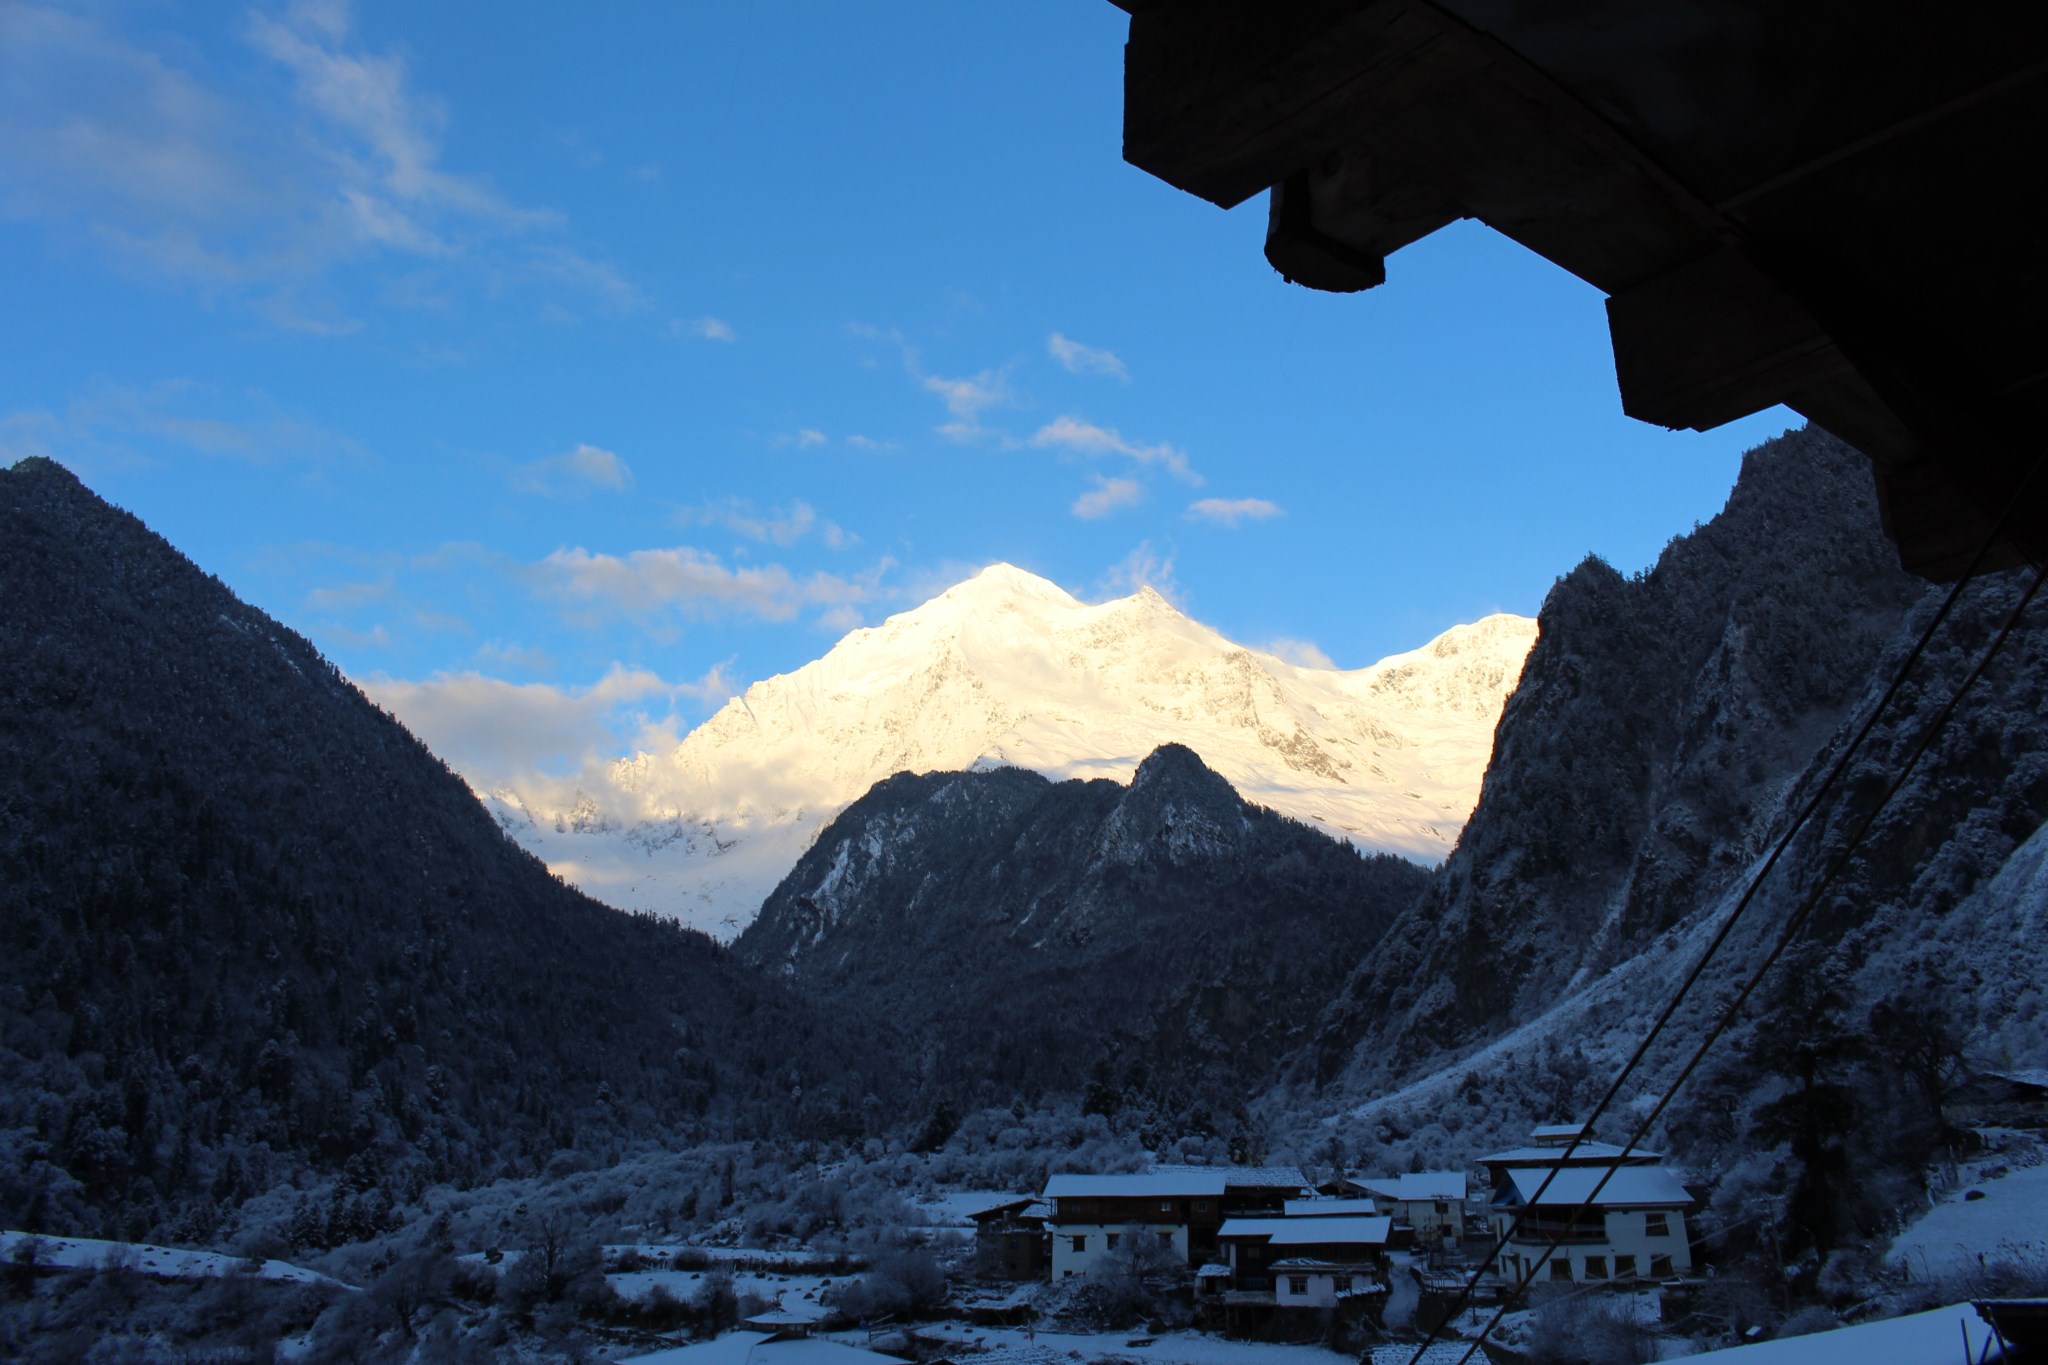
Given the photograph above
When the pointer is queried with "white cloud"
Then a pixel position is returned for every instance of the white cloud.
(122, 424)
(512, 654)
(782, 527)
(1106, 497)
(262, 201)
(965, 398)
(1071, 433)
(493, 730)
(574, 473)
(869, 443)
(1143, 567)
(1300, 653)
(1081, 359)
(695, 583)
(704, 329)
(809, 437)
(1231, 511)
(347, 596)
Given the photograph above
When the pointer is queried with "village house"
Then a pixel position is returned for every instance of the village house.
(1430, 1202)
(1010, 1239)
(1178, 1208)
(1609, 1222)
(1297, 1261)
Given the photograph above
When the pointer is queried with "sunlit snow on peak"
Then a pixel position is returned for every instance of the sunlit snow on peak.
(1009, 668)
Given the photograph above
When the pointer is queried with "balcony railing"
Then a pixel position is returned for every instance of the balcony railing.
(1535, 1231)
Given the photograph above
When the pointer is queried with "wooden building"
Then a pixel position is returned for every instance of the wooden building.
(1010, 1240)
(1179, 1208)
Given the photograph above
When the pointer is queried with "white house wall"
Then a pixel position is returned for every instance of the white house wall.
(1096, 1250)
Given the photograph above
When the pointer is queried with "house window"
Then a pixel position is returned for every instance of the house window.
(1657, 1224)
(1110, 1240)
(1166, 1239)
(1342, 1284)
(1297, 1284)
(1166, 1206)
(1596, 1267)
(1660, 1265)
(1442, 1207)
(1201, 1206)
(1624, 1266)
(1561, 1270)
(1080, 1241)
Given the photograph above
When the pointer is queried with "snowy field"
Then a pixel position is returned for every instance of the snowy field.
(2009, 1223)
(1015, 1346)
(1936, 1335)
(796, 1294)
(171, 1263)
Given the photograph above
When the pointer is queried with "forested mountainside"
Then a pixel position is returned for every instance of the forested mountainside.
(1665, 733)
(250, 928)
(1657, 724)
(1162, 943)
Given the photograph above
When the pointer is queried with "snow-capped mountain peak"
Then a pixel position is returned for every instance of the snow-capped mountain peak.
(1009, 668)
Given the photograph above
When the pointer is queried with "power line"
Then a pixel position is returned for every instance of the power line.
(1793, 924)
(1727, 926)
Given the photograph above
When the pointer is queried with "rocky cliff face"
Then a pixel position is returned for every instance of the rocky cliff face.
(1029, 936)
(1657, 727)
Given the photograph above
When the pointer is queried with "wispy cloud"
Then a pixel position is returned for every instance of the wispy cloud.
(869, 443)
(1231, 511)
(966, 398)
(704, 329)
(574, 474)
(129, 424)
(1080, 359)
(690, 582)
(110, 142)
(777, 526)
(1085, 438)
(1143, 567)
(495, 730)
(1300, 653)
(1106, 497)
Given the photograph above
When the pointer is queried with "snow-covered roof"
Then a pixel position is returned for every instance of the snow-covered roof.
(1417, 1186)
(1556, 1132)
(1585, 1151)
(1285, 1232)
(1213, 1271)
(1250, 1177)
(1625, 1187)
(1173, 1182)
(764, 1348)
(1328, 1208)
(2035, 1076)
(1934, 1336)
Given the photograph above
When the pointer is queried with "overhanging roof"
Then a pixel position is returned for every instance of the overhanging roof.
(1825, 204)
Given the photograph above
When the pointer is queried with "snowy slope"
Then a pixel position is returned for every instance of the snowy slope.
(170, 1263)
(1006, 668)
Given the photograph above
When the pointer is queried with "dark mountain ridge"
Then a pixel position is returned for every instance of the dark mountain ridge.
(1029, 936)
(251, 930)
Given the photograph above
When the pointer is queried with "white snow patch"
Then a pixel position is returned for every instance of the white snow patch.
(171, 1263)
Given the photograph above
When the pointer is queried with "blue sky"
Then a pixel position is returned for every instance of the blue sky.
(591, 362)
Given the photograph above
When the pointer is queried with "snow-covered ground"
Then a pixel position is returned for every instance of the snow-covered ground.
(2006, 1221)
(1016, 1346)
(171, 1263)
(1939, 1334)
(956, 1208)
(1009, 669)
(798, 1294)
